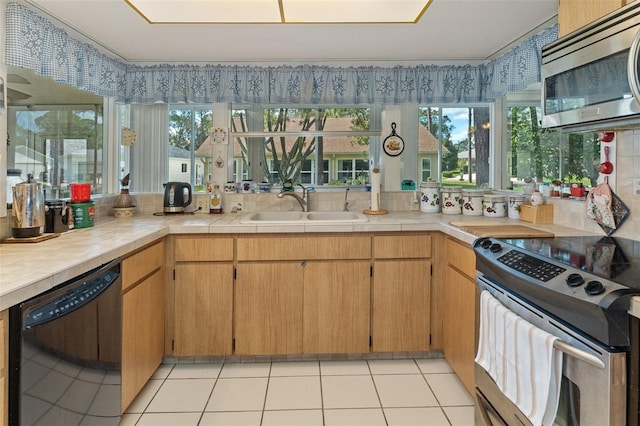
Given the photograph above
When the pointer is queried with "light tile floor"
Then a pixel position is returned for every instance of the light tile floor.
(304, 393)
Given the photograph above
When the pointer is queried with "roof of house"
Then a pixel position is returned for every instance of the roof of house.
(336, 144)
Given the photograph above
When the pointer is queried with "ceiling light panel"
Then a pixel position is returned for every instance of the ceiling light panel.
(280, 11)
(353, 11)
(208, 11)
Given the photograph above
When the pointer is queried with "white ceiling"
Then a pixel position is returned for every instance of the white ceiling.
(467, 31)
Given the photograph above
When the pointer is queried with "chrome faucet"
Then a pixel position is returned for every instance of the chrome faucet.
(303, 201)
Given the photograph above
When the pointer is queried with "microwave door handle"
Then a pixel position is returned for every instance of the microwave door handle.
(632, 67)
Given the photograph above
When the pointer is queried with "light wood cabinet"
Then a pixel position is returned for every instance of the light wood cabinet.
(574, 14)
(401, 293)
(459, 310)
(336, 312)
(143, 308)
(203, 309)
(268, 308)
(203, 296)
(302, 294)
(4, 335)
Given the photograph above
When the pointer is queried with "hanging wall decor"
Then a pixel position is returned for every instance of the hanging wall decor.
(393, 144)
(219, 136)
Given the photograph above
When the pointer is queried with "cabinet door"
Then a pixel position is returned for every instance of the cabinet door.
(459, 325)
(142, 334)
(574, 14)
(203, 306)
(336, 307)
(401, 305)
(268, 308)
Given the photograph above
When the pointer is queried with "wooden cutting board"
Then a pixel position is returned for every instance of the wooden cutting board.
(500, 230)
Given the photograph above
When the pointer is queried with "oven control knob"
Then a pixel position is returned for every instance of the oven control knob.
(495, 248)
(486, 244)
(594, 288)
(574, 280)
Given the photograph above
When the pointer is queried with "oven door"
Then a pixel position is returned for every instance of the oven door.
(593, 387)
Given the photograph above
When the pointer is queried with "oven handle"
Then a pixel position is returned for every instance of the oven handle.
(564, 347)
(578, 354)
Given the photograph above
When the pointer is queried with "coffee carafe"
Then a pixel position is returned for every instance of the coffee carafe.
(27, 213)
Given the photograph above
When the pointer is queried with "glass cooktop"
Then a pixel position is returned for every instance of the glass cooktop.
(615, 259)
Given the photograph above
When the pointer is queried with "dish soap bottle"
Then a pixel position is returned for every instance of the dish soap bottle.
(215, 201)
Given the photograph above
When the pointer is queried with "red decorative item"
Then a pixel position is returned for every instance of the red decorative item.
(606, 167)
(80, 192)
(606, 136)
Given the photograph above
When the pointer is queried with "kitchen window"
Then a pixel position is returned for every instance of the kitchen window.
(189, 156)
(57, 145)
(547, 155)
(319, 145)
(454, 143)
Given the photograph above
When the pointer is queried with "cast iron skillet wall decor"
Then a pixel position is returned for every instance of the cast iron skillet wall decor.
(393, 144)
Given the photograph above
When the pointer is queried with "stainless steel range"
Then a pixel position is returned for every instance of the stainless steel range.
(579, 290)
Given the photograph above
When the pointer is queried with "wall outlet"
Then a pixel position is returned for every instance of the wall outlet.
(237, 208)
(202, 205)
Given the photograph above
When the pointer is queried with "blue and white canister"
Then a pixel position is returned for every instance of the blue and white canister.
(430, 197)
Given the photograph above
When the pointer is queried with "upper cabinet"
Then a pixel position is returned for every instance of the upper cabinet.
(574, 14)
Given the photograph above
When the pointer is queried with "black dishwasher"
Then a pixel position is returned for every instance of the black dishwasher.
(65, 353)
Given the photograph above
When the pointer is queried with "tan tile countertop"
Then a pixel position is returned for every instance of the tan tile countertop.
(28, 269)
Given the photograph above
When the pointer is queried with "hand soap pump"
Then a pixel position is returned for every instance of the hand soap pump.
(215, 200)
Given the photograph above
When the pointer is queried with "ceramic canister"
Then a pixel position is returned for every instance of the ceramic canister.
(515, 201)
(472, 202)
(430, 198)
(494, 205)
(452, 200)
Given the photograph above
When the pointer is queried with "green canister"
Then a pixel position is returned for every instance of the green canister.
(83, 214)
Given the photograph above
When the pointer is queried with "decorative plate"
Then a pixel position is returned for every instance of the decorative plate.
(393, 144)
(219, 136)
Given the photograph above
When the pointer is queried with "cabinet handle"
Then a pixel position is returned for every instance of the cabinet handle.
(303, 263)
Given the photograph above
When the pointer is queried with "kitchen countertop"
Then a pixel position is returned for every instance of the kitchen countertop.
(28, 269)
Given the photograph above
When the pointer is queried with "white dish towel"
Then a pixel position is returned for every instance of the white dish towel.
(521, 360)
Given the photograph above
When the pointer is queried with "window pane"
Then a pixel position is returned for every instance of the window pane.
(58, 146)
(548, 155)
(463, 134)
(189, 155)
(315, 159)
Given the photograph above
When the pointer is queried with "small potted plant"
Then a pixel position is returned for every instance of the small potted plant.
(576, 187)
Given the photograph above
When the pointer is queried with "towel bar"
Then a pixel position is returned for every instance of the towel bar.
(578, 354)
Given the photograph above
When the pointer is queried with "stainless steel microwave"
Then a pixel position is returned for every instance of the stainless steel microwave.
(590, 77)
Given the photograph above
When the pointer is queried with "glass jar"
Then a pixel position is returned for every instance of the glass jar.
(430, 198)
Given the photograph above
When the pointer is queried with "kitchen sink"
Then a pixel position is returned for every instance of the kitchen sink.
(304, 217)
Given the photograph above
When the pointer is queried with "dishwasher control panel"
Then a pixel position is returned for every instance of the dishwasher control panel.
(73, 299)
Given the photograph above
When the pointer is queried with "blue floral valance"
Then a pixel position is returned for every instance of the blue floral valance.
(35, 43)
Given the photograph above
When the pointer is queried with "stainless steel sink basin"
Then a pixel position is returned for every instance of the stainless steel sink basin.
(304, 217)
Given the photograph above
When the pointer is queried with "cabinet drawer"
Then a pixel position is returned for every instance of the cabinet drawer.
(402, 246)
(203, 249)
(304, 247)
(141, 264)
(461, 256)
